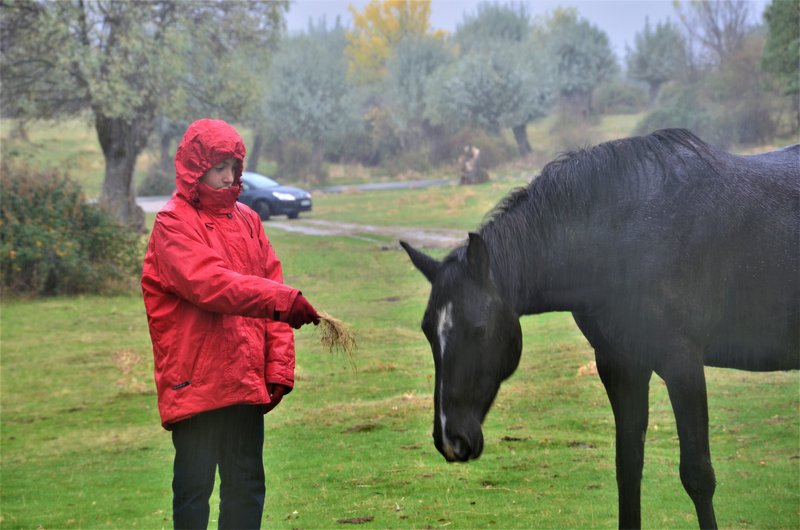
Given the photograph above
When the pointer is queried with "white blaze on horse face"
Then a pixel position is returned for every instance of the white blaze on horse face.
(443, 327)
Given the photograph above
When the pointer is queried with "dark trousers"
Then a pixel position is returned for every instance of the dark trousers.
(233, 439)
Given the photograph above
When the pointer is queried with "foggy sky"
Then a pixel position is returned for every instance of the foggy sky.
(620, 19)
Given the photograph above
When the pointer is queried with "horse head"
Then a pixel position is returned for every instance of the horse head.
(476, 342)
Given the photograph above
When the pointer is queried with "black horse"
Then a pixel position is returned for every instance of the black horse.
(671, 256)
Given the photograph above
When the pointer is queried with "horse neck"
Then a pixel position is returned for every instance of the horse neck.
(542, 261)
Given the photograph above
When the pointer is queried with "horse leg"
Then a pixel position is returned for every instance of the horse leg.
(627, 389)
(686, 384)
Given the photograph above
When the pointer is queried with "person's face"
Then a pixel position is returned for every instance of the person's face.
(221, 175)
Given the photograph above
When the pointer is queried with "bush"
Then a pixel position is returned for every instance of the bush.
(156, 182)
(723, 122)
(294, 163)
(619, 97)
(416, 161)
(681, 106)
(573, 129)
(53, 242)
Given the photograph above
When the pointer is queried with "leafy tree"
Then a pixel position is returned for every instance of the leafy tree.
(234, 64)
(781, 58)
(724, 97)
(381, 26)
(658, 56)
(502, 86)
(63, 57)
(123, 62)
(493, 22)
(223, 74)
(309, 97)
(727, 105)
(409, 67)
(581, 58)
(501, 79)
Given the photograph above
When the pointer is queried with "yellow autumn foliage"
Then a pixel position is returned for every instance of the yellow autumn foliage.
(378, 28)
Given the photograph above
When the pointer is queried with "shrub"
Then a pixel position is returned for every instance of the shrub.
(619, 97)
(157, 182)
(415, 161)
(53, 242)
(573, 129)
(723, 122)
(681, 106)
(294, 163)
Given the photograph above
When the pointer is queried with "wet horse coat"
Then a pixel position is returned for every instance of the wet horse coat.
(670, 254)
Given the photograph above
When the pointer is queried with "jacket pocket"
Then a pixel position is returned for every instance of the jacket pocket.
(182, 385)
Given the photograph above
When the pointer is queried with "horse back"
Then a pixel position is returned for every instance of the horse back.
(713, 255)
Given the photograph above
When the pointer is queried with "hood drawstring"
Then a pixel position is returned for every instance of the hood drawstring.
(246, 220)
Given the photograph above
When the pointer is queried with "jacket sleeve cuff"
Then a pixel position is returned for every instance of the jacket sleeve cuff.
(285, 300)
(275, 380)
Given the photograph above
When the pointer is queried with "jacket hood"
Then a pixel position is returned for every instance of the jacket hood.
(207, 143)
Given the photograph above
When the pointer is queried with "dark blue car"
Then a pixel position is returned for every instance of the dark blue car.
(269, 198)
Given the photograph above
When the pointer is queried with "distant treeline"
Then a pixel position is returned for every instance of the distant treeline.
(387, 89)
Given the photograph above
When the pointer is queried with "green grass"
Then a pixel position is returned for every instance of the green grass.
(439, 207)
(81, 445)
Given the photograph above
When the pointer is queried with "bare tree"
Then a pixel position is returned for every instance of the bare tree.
(720, 26)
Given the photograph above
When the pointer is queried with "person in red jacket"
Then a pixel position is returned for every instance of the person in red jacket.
(220, 320)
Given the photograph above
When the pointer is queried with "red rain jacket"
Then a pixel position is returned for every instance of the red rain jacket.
(211, 284)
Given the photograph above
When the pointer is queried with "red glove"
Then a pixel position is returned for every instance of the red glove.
(276, 393)
(300, 313)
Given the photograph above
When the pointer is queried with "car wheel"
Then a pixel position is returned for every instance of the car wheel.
(293, 215)
(262, 208)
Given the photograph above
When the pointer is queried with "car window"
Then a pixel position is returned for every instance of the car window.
(258, 181)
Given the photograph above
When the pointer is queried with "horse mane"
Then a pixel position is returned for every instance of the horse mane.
(578, 182)
(576, 178)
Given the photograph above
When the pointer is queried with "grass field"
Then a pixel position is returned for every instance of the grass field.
(81, 445)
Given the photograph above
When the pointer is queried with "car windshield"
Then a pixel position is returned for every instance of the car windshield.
(259, 181)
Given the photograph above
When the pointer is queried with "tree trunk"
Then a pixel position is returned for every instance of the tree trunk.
(521, 136)
(122, 141)
(434, 136)
(20, 131)
(655, 86)
(317, 158)
(255, 151)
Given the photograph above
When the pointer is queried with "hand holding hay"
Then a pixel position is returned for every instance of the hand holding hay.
(336, 335)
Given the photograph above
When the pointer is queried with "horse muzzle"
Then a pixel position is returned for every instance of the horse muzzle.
(461, 448)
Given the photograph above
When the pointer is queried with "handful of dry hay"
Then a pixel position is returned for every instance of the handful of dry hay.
(336, 335)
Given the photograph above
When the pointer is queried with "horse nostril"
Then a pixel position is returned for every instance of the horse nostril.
(457, 450)
(461, 449)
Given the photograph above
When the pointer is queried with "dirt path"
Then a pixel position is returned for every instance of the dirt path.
(420, 237)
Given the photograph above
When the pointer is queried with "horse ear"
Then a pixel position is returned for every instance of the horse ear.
(426, 264)
(478, 256)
